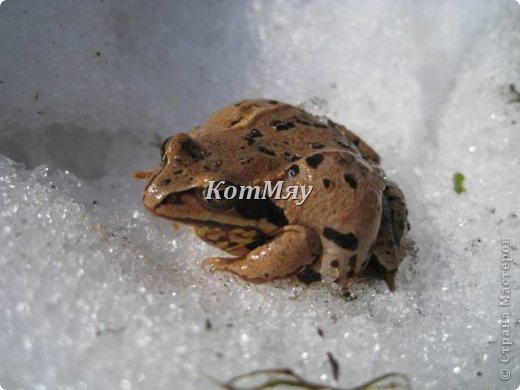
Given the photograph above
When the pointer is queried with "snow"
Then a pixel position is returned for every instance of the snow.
(97, 294)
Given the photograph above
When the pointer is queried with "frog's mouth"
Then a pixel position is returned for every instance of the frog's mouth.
(190, 207)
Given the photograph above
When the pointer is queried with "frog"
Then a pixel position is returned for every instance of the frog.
(351, 227)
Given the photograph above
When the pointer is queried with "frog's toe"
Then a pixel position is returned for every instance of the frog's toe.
(366, 275)
(390, 279)
(346, 283)
(237, 266)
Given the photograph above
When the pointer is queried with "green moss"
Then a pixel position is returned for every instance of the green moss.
(458, 182)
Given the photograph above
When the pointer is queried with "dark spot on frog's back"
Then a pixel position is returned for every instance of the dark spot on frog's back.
(291, 157)
(317, 145)
(326, 183)
(285, 126)
(255, 133)
(308, 276)
(344, 240)
(351, 180)
(252, 135)
(267, 151)
(302, 121)
(319, 125)
(314, 161)
(245, 160)
(281, 126)
(274, 102)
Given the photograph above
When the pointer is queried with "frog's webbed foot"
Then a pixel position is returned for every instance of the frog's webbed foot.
(293, 248)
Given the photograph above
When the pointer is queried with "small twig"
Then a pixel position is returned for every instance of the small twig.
(288, 377)
(334, 365)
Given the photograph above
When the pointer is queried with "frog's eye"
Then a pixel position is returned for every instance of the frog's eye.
(220, 195)
(163, 146)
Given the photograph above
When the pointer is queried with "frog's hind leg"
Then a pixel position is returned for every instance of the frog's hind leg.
(292, 249)
(389, 249)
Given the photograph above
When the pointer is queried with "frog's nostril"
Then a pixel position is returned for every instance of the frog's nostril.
(172, 199)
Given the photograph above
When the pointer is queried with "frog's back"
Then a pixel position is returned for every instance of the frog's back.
(267, 135)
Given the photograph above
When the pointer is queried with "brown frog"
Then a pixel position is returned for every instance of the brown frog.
(350, 225)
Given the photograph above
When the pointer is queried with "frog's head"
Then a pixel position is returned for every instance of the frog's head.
(181, 189)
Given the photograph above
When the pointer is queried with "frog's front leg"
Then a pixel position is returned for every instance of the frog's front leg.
(293, 248)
